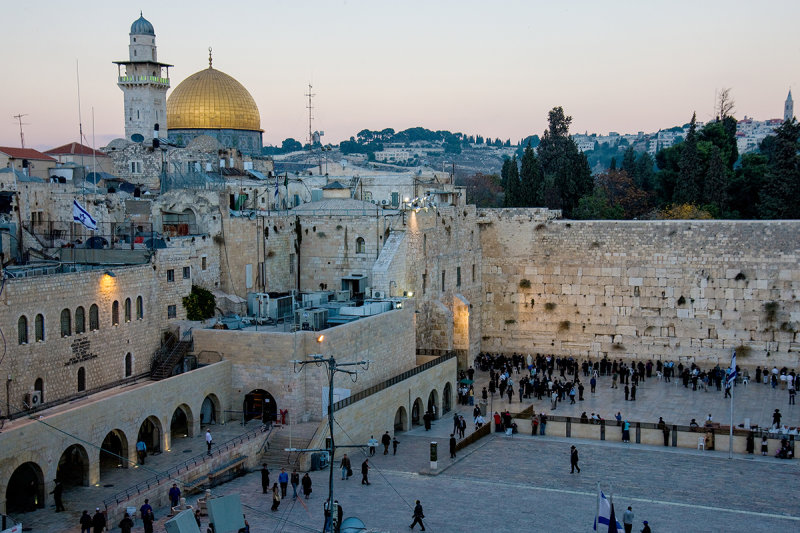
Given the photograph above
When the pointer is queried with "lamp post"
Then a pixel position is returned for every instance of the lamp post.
(332, 367)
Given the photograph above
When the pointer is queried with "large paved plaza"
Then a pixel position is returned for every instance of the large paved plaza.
(523, 483)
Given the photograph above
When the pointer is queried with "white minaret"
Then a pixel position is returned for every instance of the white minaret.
(788, 108)
(144, 83)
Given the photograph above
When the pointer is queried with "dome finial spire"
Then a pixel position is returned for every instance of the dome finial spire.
(209, 57)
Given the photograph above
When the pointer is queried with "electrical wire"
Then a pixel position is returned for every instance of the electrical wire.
(273, 517)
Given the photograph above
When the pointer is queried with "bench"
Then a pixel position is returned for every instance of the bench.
(235, 465)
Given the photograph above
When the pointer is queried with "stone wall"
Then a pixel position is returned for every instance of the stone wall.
(184, 252)
(261, 359)
(650, 289)
(101, 353)
(122, 410)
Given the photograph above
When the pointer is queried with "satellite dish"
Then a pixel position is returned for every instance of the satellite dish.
(137, 137)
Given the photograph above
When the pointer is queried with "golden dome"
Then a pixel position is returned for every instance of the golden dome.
(211, 99)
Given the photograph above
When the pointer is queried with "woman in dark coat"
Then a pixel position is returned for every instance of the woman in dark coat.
(306, 482)
(751, 443)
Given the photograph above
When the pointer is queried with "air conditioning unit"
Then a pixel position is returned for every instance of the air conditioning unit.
(378, 294)
(384, 202)
(33, 399)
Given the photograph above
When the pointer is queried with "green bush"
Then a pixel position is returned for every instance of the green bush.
(200, 304)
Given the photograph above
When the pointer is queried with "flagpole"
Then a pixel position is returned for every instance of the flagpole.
(731, 383)
(597, 508)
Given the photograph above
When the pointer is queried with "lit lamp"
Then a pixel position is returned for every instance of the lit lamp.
(110, 273)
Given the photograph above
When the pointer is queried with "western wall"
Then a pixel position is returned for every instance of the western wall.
(685, 290)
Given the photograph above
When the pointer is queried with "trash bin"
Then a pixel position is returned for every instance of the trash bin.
(482, 406)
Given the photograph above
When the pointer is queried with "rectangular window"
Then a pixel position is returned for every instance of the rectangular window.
(170, 275)
(203, 263)
(136, 167)
(458, 276)
(291, 263)
(187, 272)
(172, 311)
(443, 280)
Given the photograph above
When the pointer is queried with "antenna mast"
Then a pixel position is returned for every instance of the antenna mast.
(21, 135)
(310, 108)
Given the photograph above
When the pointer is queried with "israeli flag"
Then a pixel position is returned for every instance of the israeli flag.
(82, 216)
(604, 515)
(732, 375)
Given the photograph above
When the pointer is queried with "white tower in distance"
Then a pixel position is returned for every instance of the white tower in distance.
(788, 108)
(144, 84)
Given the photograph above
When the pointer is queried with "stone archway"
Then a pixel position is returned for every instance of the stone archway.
(260, 404)
(401, 419)
(433, 404)
(417, 410)
(210, 410)
(73, 467)
(151, 433)
(26, 490)
(114, 452)
(181, 424)
(447, 398)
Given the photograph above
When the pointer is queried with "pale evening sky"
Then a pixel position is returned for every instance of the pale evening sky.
(480, 67)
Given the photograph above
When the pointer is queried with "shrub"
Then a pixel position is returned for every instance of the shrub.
(524, 284)
(511, 321)
(549, 306)
(771, 311)
(563, 325)
(200, 304)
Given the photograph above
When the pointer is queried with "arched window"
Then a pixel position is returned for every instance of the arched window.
(38, 385)
(128, 365)
(127, 309)
(139, 308)
(80, 321)
(66, 323)
(22, 330)
(94, 318)
(360, 246)
(115, 313)
(81, 379)
(39, 327)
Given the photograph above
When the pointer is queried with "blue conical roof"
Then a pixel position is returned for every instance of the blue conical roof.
(142, 26)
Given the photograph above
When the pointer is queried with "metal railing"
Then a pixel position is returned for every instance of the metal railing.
(392, 381)
(184, 467)
(142, 79)
(108, 235)
(72, 397)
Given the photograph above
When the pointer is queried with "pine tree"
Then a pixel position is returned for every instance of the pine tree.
(715, 190)
(687, 189)
(530, 178)
(780, 197)
(512, 198)
(629, 162)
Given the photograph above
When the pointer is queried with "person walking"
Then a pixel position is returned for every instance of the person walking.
(776, 419)
(452, 446)
(372, 442)
(276, 497)
(57, 493)
(346, 468)
(418, 516)
(395, 442)
(633, 393)
(209, 440)
(306, 485)
(573, 460)
(792, 393)
(646, 528)
(86, 522)
(627, 392)
(141, 451)
(295, 482)
(627, 519)
(283, 479)
(264, 478)
(147, 516)
(386, 440)
(98, 521)
(664, 429)
(365, 472)
(174, 495)
(126, 524)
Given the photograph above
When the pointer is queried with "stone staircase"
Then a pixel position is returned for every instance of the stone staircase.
(275, 455)
(164, 369)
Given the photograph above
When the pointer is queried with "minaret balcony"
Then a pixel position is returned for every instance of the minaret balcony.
(143, 80)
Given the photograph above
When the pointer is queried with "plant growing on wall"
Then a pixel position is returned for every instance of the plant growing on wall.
(511, 321)
(681, 300)
(524, 284)
(742, 351)
(200, 304)
(563, 325)
(771, 311)
(549, 306)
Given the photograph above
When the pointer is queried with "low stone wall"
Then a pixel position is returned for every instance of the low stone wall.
(648, 433)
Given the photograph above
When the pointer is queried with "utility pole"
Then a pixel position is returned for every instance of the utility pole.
(21, 135)
(332, 368)
(310, 108)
